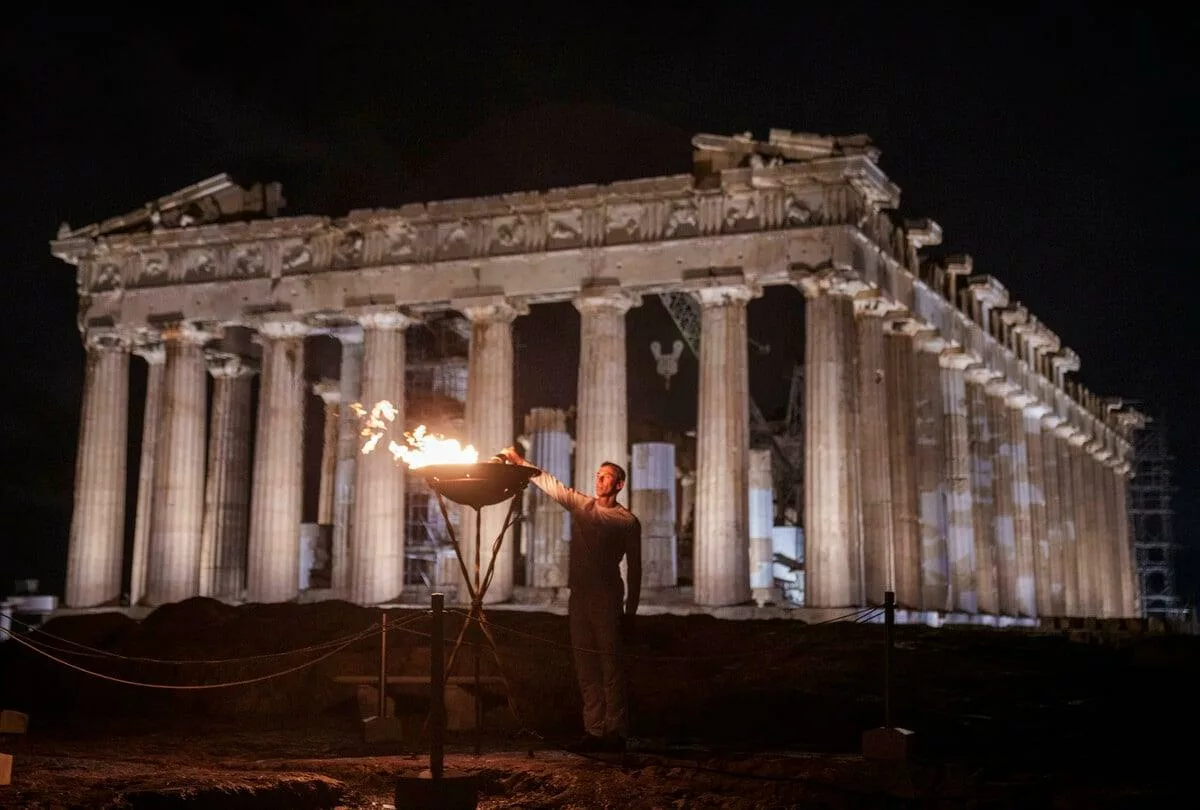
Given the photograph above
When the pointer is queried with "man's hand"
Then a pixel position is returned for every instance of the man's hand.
(511, 454)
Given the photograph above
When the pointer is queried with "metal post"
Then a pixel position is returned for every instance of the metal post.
(382, 712)
(889, 623)
(437, 689)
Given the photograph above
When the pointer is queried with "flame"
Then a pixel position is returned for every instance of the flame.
(420, 448)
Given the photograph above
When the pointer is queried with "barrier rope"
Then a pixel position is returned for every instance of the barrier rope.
(369, 632)
(858, 614)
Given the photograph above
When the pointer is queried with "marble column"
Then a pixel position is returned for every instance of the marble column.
(377, 528)
(1022, 501)
(350, 390)
(1004, 534)
(155, 355)
(925, 422)
(548, 525)
(97, 540)
(721, 550)
(490, 427)
(983, 437)
(832, 519)
(875, 454)
(331, 396)
(960, 539)
(602, 422)
(1036, 476)
(1129, 579)
(227, 494)
(1072, 597)
(177, 514)
(273, 565)
(1056, 595)
(1106, 550)
(652, 481)
(1082, 504)
(761, 518)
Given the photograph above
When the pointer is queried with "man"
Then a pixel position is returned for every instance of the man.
(602, 532)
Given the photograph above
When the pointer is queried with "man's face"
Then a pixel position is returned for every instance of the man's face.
(606, 482)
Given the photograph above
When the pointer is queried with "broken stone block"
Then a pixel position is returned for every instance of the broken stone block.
(888, 744)
(6, 769)
(12, 722)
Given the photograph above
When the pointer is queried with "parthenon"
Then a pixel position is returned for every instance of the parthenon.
(949, 454)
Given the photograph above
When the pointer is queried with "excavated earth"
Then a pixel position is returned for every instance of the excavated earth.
(202, 704)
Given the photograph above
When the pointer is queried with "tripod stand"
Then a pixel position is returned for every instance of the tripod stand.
(478, 485)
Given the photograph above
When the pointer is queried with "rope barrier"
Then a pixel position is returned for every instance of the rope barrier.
(191, 687)
(643, 657)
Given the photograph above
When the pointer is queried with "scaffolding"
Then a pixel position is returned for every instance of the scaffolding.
(1151, 519)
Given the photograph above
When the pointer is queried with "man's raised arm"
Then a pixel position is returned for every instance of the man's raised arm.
(568, 498)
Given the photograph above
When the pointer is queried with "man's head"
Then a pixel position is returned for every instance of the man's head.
(610, 478)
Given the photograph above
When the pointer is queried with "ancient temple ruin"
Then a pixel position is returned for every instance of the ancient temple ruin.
(949, 456)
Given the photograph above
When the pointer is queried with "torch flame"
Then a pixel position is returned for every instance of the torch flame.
(420, 448)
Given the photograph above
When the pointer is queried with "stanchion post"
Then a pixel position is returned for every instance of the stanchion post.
(382, 664)
(889, 625)
(437, 688)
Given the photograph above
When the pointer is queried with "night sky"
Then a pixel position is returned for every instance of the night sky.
(1048, 142)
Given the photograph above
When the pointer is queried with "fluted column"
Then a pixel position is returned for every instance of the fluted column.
(1129, 578)
(350, 389)
(331, 397)
(377, 528)
(1035, 471)
(1106, 548)
(721, 550)
(227, 493)
(273, 567)
(490, 427)
(924, 421)
(155, 355)
(875, 456)
(1004, 534)
(983, 436)
(549, 525)
(602, 423)
(832, 517)
(960, 540)
(1081, 492)
(761, 518)
(1056, 604)
(1072, 595)
(98, 522)
(177, 515)
(1022, 500)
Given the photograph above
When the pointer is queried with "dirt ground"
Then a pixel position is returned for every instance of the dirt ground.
(207, 705)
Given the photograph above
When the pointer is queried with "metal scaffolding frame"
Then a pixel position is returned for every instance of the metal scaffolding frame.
(1151, 518)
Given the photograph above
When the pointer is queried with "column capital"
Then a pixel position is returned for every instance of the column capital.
(1019, 400)
(329, 391)
(831, 281)
(107, 338)
(490, 308)
(226, 365)
(383, 318)
(1001, 387)
(872, 304)
(1037, 409)
(1051, 421)
(955, 358)
(281, 327)
(609, 296)
(1078, 438)
(983, 375)
(187, 332)
(1065, 430)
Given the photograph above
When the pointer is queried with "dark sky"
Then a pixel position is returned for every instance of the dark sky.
(1048, 142)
